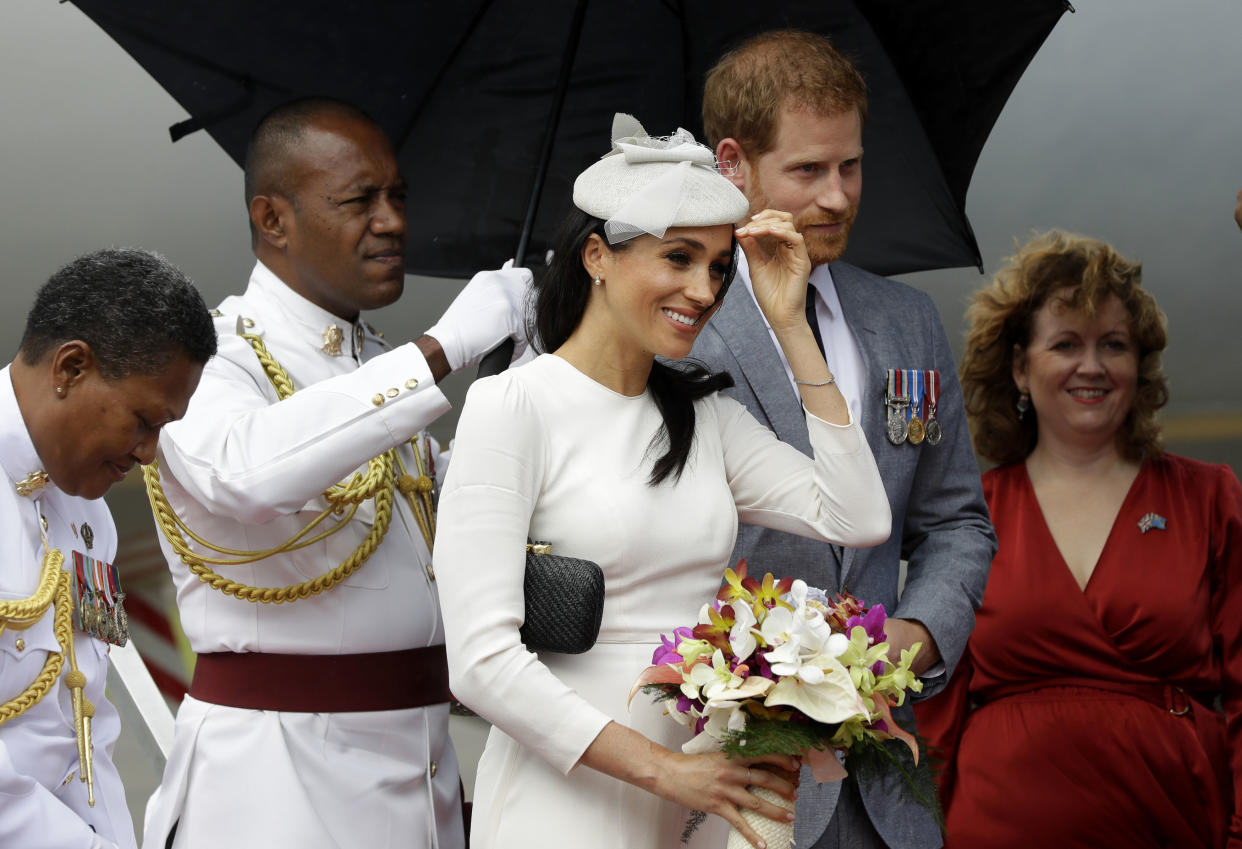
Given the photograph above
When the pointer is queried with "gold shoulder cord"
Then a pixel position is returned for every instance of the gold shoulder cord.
(343, 498)
(54, 586)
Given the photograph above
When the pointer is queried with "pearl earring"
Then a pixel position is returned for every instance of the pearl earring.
(60, 390)
(598, 282)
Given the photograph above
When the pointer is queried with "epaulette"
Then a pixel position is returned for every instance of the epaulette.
(235, 324)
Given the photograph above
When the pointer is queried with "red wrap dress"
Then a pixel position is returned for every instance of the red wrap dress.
(1084, 717)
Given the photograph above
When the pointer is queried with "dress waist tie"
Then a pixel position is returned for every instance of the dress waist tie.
(1209, 724)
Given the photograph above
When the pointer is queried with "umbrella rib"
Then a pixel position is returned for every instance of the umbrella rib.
(417, 111)
(187, 55)
(549, 134)
(195, 122)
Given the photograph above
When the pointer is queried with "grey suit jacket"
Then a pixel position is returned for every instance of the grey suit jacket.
(940, 520)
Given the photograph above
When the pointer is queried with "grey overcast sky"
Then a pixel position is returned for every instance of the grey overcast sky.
(1127, 126)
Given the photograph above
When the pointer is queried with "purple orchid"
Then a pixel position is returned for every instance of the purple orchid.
(873, 623)
(667, 652)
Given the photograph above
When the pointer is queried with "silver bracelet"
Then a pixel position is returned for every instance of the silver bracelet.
(809, 383)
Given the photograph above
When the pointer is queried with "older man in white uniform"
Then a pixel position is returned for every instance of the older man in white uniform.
(112, 350)
(320, 722)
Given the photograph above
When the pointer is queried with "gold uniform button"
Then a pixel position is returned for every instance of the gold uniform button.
(248, 322)
(21, 644)
(377, 400)
(433, 769)
(412, 383)
(392, 393)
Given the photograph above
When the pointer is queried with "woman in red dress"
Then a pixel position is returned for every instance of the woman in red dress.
(1099, 703)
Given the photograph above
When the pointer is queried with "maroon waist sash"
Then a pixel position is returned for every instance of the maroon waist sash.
(332, 683)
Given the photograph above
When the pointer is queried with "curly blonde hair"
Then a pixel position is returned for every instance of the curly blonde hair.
(1000, 318)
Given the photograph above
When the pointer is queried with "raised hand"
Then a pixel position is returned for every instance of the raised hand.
(779, 270)
(779, 267)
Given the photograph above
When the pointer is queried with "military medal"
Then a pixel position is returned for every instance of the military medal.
(896, 401)
(914, 428)
(88, 536)
(932, 426)
(99, 600)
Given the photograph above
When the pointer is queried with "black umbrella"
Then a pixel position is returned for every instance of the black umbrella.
(494, 104)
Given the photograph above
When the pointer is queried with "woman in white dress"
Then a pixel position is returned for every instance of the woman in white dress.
(645, 469)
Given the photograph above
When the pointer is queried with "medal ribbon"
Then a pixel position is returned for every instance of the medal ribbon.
(101, 581)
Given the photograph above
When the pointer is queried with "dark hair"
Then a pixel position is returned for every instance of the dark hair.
(275, 137)
(1000, 319)
(561, 295)
(134, 308)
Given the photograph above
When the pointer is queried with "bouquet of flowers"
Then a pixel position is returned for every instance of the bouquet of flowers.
(776, 666)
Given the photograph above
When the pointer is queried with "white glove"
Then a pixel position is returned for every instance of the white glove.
(488, 311)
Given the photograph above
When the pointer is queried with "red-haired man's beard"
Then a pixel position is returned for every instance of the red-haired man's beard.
(822, 245)
(825, 234)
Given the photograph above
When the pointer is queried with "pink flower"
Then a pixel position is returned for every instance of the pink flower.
(872, 621)
(667, 652)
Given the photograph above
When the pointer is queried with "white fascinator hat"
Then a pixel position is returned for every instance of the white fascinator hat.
(648, 184)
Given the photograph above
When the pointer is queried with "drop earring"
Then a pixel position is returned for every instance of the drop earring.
(1024, 403)
(598, 282)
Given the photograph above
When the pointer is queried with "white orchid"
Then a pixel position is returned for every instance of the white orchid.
(706, 681)
(723, 716)
(755, 685)
(800, 638)
(804, 658)
(742, 634)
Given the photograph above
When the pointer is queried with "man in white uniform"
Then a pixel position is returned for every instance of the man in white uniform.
(318, 716)
(112, 351)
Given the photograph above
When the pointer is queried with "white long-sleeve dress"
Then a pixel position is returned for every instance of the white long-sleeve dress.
(544, 451)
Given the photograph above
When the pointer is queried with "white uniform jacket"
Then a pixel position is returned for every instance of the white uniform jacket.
(43, 804)
(247, 472)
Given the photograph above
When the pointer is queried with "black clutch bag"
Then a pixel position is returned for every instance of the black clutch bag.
(564, 601)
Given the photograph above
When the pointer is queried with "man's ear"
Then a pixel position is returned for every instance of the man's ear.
(71, 363)
(733, 162)
(594, 256)
(269, 215)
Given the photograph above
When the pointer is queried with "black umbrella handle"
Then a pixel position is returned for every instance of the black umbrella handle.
(496, 360)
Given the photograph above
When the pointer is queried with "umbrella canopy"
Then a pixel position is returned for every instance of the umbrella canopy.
(479, 94)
